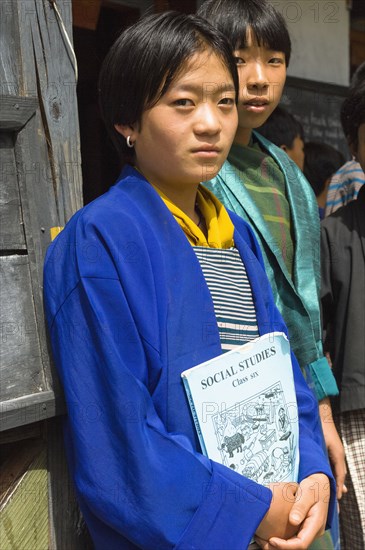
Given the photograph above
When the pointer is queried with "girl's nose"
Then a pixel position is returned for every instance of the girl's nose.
(208, 120)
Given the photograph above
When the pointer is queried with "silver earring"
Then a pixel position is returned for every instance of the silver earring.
(129, 142)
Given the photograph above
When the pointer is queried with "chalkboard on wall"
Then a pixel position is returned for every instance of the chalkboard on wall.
(317, 106)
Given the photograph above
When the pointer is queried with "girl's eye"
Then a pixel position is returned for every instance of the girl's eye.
(239, 61)
(184, 103)
(227, 101)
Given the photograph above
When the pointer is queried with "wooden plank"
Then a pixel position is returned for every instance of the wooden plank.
(15, 112)
(67, 527)
(11, 221)
(9, 56)
(39, 211)
(48, 148)
(21, 369)
(29, 408)
(24, 519)
(29, 431)
(16, 464)
(54, 79)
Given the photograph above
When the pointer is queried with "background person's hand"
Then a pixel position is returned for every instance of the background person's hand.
(335, 449)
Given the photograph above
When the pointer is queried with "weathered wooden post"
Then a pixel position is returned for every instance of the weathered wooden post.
(40, 188)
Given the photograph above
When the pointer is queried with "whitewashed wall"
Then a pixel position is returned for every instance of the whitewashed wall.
(320, 32)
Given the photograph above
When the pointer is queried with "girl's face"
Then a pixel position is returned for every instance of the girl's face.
(186, 136)
(262, 74)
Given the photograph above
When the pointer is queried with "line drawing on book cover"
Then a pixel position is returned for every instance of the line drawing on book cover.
(255, 436)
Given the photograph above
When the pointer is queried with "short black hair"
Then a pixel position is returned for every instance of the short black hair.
(144, 61)
(358, 76)
(353, 112)
(282, 128)
(235, 17)
(321, 161)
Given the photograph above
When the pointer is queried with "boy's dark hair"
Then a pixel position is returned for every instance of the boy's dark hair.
(235, 17)
(144, 61)
(358, 77)
(321, 161)
(353, 113)
(282, 128)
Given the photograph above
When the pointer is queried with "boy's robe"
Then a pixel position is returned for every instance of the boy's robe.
(297, 298)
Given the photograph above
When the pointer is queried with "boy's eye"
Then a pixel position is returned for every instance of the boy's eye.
(239, 60)
(276, 61)
(184, 102)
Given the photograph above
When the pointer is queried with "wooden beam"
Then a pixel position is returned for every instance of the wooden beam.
(29, 409)
(24, 518)
(16, 111)
(67, 527)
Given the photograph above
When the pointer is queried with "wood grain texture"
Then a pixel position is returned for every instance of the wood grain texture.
(67, 527)
(15, 111)
(21, 370)
(11, 220)
(30, 408)
(24, 519)
(41, 188)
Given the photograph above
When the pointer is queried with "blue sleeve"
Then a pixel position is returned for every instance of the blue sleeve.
(135, 481)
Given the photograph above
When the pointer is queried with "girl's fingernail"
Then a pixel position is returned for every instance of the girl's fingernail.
(295, 517)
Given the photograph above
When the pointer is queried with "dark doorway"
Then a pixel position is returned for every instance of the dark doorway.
(100, 164)
(96, 26)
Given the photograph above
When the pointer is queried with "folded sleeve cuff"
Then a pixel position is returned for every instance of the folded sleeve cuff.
(320, 378)
(232, 508)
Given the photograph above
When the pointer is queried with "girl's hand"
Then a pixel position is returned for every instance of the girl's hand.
(308, 514)
(276, 521)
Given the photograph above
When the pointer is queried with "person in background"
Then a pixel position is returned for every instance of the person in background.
(321, 162)
(344, 186)
(348, 180)
(283, 129)
(343, 306)
(129, 307)
(265, 187)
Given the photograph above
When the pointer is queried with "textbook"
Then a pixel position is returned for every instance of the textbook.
(244, 407)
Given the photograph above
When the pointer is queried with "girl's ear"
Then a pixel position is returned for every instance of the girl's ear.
(126, 130)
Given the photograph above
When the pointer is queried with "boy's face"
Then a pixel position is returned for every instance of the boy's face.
(262, 74)
(296, 151)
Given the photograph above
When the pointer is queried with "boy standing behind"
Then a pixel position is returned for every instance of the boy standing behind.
(343, 305)
(283, 129)
(261, 184)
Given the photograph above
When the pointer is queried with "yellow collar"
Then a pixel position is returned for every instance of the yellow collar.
(219, 225)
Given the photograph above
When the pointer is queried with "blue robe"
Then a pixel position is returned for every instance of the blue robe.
(128, 310)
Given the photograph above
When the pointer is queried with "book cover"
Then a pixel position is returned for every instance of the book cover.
(245, 411)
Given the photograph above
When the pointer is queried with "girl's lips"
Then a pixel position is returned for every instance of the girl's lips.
(205, 153)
